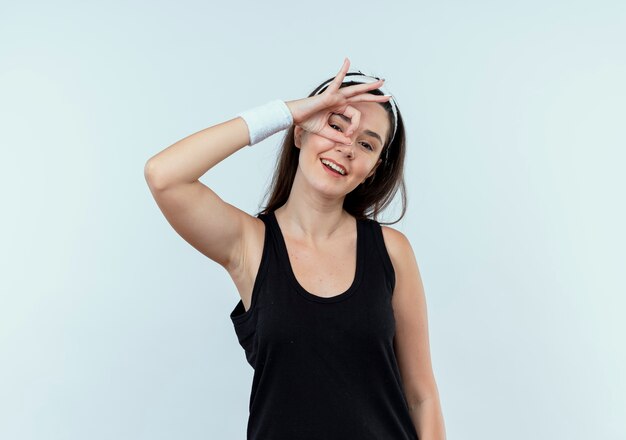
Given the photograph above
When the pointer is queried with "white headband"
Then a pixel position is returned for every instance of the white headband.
(362, 78)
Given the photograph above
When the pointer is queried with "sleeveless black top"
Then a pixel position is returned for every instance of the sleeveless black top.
(324, 368)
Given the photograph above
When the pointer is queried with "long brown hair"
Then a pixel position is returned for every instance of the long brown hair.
(368, 199)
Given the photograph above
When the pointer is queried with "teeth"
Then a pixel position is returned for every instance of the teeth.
(333, 166)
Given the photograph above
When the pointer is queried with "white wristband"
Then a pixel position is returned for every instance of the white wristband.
(267, 119)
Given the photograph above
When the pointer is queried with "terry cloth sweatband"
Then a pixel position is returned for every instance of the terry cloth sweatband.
(267, 119)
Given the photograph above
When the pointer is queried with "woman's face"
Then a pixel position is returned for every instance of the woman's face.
(358, 161)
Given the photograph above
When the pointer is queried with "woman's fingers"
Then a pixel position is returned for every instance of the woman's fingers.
(337, 97)
(336, 136)
(368, 97)
(350, 113)
(355, 119)
(342, 72)
(335, 83)
(355, 89)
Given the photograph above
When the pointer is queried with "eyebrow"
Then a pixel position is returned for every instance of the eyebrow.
(367, 132)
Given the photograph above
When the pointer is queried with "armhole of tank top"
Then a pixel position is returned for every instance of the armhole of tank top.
(239, 315)
(384, 254)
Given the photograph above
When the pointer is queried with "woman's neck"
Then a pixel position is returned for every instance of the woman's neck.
(312, 222)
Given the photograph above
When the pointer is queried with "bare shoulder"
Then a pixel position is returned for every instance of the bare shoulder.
(397, 244)
(402, 256)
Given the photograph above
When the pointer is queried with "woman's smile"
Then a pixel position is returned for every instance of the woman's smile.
(333, 167)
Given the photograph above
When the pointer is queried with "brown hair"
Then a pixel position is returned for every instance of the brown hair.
(368, 199)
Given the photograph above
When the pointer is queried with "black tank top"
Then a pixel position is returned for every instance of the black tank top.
(324, 368)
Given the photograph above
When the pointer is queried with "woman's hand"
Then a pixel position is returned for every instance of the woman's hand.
(312, 113)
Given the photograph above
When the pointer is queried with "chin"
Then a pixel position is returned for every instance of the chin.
(332, 191)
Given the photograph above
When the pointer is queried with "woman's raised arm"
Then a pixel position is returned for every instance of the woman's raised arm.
(212, 226)
(215, 228)
(191, 157)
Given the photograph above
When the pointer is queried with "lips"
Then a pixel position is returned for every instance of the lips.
(337, 164)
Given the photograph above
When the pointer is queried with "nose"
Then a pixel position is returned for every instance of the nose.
(347, 149)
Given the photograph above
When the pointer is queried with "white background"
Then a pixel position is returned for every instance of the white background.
(113, 327)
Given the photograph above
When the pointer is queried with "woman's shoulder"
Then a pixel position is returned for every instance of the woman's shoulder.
(397, 244)
(393, 238)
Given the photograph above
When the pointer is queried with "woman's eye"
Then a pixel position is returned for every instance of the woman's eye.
(365, 144)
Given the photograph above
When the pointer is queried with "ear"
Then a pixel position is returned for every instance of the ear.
(297, 136)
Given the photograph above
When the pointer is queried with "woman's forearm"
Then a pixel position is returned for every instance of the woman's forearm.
(191, 157)
(428, 420)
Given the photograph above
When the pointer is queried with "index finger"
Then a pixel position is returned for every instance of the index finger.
(355, 119)
(356, 89)
(334, 85)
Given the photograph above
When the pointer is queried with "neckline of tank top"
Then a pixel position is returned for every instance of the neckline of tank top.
(360, 239)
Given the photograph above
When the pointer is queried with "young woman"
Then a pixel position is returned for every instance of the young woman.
(332, 315)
